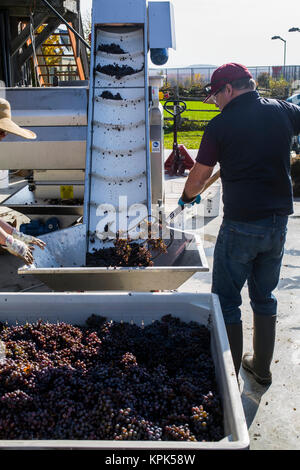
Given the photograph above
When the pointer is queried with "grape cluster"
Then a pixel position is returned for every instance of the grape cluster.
(111, 48)
(110, 96)
(157, 244)
(179, 433)
(109, 380)
(127, 253)
(118, 71)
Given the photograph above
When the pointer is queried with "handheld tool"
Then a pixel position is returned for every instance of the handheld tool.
(179, 209)
(176, 245)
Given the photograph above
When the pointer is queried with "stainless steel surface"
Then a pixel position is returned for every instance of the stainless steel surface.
(63, 248)
(60, 147)
(58, 116)
(59, 190)
(48, 107)
(110, 279)
(157, 154)
(59, 175)
(138, 308)
(66, 269)
(26, 202)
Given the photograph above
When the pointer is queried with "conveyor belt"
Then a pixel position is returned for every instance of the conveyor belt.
(117, 184)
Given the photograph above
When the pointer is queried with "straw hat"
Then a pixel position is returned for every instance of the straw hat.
(7, 125)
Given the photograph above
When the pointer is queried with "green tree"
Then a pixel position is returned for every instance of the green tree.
(47, 48)
(279, 88)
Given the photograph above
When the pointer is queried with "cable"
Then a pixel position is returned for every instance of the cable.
(33, 49)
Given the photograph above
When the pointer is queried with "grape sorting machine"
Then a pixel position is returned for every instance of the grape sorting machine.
(120, 167)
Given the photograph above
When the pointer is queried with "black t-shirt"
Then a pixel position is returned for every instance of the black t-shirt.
(251, 140)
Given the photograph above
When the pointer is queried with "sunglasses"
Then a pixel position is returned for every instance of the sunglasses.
(3, 133)
(207, 90)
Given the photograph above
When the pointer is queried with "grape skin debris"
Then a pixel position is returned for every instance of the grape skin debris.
(109, 380)
(125, 253)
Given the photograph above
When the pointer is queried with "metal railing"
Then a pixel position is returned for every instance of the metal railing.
(193, 75)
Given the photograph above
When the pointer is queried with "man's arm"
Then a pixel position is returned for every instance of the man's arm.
(196, 181)
(294, 114)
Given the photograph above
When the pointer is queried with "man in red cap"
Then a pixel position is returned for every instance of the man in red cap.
(251, 141)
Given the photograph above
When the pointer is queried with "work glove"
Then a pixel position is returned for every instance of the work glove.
(183, 202)
(28, 239)
(19, 249)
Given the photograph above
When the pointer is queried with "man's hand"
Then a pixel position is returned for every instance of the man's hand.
(184, 202)
(28, 239)
(19, 249)
(195, 183)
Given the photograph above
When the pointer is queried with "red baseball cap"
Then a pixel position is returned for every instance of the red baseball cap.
(224, 74)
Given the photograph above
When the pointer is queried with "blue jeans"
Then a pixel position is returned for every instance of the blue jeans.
(249, 252)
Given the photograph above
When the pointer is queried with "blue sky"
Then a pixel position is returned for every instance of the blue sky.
(219, 31)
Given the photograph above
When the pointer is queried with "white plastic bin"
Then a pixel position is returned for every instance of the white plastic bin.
(140, 308)
(4, 179)
(211, 201)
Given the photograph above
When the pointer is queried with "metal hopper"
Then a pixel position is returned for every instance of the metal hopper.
(61, 266)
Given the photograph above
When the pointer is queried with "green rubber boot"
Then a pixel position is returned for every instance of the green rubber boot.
(235, 338)
(258, 363)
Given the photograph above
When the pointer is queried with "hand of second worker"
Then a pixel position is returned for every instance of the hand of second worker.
(19, 249)
(28, 239)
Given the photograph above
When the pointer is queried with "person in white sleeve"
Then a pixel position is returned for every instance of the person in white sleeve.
(15, 242)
